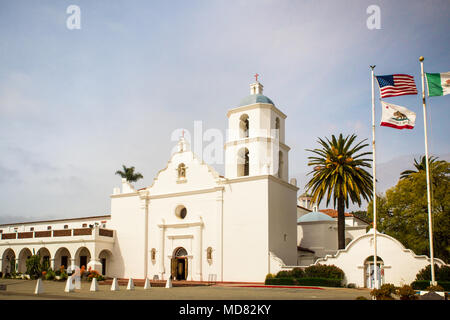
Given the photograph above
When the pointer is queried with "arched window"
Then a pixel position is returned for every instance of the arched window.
(243, 162)
(180, 252)
(244, 126)
(181, 171)
(280, 164)
(277, 127)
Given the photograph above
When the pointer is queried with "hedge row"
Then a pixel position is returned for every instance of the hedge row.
(314, 271)
(423, 284)
(322, 282)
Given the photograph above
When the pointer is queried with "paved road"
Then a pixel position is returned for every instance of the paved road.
(24, 290)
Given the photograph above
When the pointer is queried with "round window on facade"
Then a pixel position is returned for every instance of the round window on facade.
(181, 212)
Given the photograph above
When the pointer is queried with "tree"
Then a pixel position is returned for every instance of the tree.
(420, 166)
(128, 173)
(339, 172)
(403, 211)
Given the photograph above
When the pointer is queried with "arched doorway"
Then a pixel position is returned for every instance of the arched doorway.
(62, 258)
(369, 274)
(24, 254)
(44, 253)
(105, 259)
(8, 262)
(82, 257)
(179, 264)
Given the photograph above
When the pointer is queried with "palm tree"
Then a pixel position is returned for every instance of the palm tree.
(420, 166)
(339, 172)
(128, 173)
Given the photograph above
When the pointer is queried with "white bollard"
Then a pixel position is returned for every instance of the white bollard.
(94, 284)
(77, 282)
(69, 285)
(39, 288)
(169, 282)
(147, 284)
(115, 285)
(130, 285)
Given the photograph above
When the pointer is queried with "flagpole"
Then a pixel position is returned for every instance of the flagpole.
(374, 185)
(430, 225)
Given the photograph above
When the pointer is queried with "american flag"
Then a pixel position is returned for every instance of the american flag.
(396, 85)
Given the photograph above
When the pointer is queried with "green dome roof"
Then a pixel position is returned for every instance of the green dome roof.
(255, 98)
(315, 216)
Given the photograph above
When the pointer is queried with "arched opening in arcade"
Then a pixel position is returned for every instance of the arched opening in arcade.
(44, 253)
(82, 257)
(24, 254)
(105, 257)
(62, 258)
(8, 262)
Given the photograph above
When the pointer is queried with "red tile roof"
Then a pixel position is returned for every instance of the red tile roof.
(333, 213)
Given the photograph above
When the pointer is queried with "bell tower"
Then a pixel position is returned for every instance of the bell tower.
(255, 140)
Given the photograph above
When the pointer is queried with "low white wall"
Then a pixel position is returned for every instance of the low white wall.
(400, 264)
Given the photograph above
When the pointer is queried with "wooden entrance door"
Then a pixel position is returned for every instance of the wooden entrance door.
(179, 268)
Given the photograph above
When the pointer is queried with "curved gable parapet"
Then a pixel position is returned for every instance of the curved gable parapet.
(198, 175)
(400, 246)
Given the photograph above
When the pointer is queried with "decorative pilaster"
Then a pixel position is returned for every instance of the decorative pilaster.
(144, 196)
(198, 253)
(161, 249)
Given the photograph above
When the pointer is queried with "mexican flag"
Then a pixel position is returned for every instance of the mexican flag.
(438, 83)
(396, 116)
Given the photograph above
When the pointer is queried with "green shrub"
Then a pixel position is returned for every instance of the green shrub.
(324, 271)
(284, 274)
(50, 275)
(320, 282)
(63, 276)
(34, 267)
(424, 284)
(270, 276)
(94, 274)
(407, 293)
(441, 273)
(281, 281)
(298, 273)
(384, 293)
(435, 288)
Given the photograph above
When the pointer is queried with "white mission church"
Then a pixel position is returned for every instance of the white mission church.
(195, 224)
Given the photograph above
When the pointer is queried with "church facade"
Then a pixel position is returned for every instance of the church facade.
(190, 223)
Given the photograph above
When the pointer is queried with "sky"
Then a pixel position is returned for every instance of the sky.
(76, 104)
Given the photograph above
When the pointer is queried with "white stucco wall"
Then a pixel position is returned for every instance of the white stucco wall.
(128, 220)
(400, 264)
(245, 227)
(283, 220)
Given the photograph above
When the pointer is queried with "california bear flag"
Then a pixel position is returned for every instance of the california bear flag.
(396, 116)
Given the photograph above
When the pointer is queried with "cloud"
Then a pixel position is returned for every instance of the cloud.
(14, 96)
